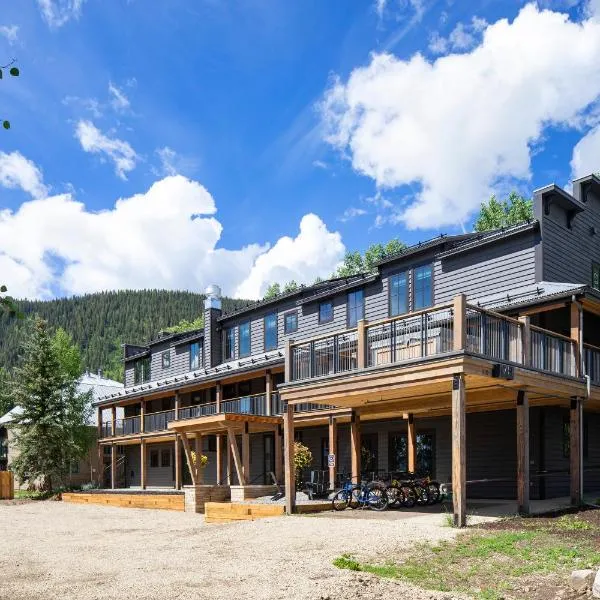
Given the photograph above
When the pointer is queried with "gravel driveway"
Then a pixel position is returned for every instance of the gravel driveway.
(56, 550)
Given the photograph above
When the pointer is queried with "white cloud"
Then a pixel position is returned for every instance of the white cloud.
(58, 12)
(380, 7)
(462, 37)
(118, 151)
(118, 100)
(174, 163)
(351, 213)
(55, 245)
(586, 154)
(458, 125)
(10, 32)
(17, 172)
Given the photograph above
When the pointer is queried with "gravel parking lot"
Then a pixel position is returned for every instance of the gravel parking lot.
(56, 550)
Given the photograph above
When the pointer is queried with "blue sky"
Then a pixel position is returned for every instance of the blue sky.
(376, 119)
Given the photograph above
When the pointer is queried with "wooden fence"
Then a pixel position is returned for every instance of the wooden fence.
(7, 485)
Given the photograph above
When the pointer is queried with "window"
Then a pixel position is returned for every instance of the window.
(245, 339)
(141, 370)
(290, 322)
(271, 331)
(165, 458)
(398, 294)
(423, 288)
(596, 276)
(398, 452)
(326, 312)
(154, 459)
(230, 343)
(195, 355)
(75, 467)
(356, 307)
(166, 359)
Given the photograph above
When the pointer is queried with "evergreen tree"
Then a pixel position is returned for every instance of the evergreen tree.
(273, 291)
(6, 402)
(185, 325)
(495, 214)
(51, 431)
(68, 353)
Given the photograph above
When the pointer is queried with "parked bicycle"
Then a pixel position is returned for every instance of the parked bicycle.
(407, 489)
(363, 495)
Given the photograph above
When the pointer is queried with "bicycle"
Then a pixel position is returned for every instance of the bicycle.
(363, 495)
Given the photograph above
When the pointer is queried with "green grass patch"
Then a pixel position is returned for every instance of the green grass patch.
(32, 495)
(485, 564)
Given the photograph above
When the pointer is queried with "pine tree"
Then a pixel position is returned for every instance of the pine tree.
(51, 431)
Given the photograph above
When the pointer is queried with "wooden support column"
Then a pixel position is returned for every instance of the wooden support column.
(219, 447)
(526, 339)
(575, 312)
(523, 452)
(361, 344)
(246, 452)
(144, 465)
(177, 405)
(236, 456)
(355, 446)
(113, 420)
(113, 466)
(188, 455)
(199, 471)
(288, 452)
(288, 373)
(332, 450)
(177, 463)
(460, 322)
(459, 453)
(278, 456)
(218, 396)
(99, 423)
(412, 444)
(576, 451)
(229, 461)
(142, 416)
(268, 391)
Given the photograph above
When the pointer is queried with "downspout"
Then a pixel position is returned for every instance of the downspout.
(587, 391)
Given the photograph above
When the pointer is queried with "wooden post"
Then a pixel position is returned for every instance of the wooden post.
(576, 336)
(144, 465)
(229, 462)
(412, 444)
(113, 420)
(246, 453)
(355, 446)
(199, 471)
(113, 466)
(177, 405)
(361, 344)
(288, 361)
(332, 450)
(278, 455)
(219, 396)
(177, 463)
(100, 423)
(219, 445)
(288, 451)
(142, 416)
(460, 322)
(188, 455)
(523, 452)
(236, 456)
(576, 451)
(268, 392)
(526, 339)
(459, 454)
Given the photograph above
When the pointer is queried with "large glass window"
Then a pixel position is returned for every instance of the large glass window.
(271, 331)
(398, 294)
(141, 370)
(230, 343)
(398, 453)
(245, 339)
(290, 322)
(326, 312)
(195, 355)
(423, 287)
(356, 307)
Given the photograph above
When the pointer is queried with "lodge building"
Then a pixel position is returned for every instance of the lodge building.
(473, 357)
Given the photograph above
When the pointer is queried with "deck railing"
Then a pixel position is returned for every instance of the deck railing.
(106, 429)
(591, 356)
(276, 404)
(127, 426)
(553, 352)
(158, 421)
(199, 410)
(246, 405)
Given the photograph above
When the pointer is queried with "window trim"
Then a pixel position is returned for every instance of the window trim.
(200, 353)
(249, 323)
(271, 314)
(406, 273)
(287, 331)
(165, 354)
(355, 291)
(323, 321)
(414, 286)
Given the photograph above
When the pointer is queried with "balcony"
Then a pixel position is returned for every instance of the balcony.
(432, 333)
(591, 355)
(158, 421)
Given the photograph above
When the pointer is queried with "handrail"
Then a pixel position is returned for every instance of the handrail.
(406, 315)
(566, 338)
(592, 347)
(494, 314)
(160, 412)
(323, 337)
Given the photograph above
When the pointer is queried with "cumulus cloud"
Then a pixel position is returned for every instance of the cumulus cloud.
(462, 37)
(586, 154)
(458, 125)
(118, 151)
(16, 171)
(58, 12)
(55, 245)
(10, 32)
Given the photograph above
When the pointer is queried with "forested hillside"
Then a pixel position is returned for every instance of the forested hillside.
(99, 323)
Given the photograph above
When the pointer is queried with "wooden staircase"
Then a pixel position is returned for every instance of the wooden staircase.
(228, 512)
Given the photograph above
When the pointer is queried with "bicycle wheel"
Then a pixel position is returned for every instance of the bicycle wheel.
(340, 501)
(409, 496)
(421, 494)
(377, 499)
(433, 492)
(394, 494)
(354, 498)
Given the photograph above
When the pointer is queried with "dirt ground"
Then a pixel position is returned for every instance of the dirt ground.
(55, 550)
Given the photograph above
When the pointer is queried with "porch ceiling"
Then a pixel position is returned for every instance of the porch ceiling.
(222, 422)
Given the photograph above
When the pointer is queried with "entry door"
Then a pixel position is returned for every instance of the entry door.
(268, 456)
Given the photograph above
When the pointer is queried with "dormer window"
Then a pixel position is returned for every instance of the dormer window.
(141, 370)
(230, 343)
(166, 359)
